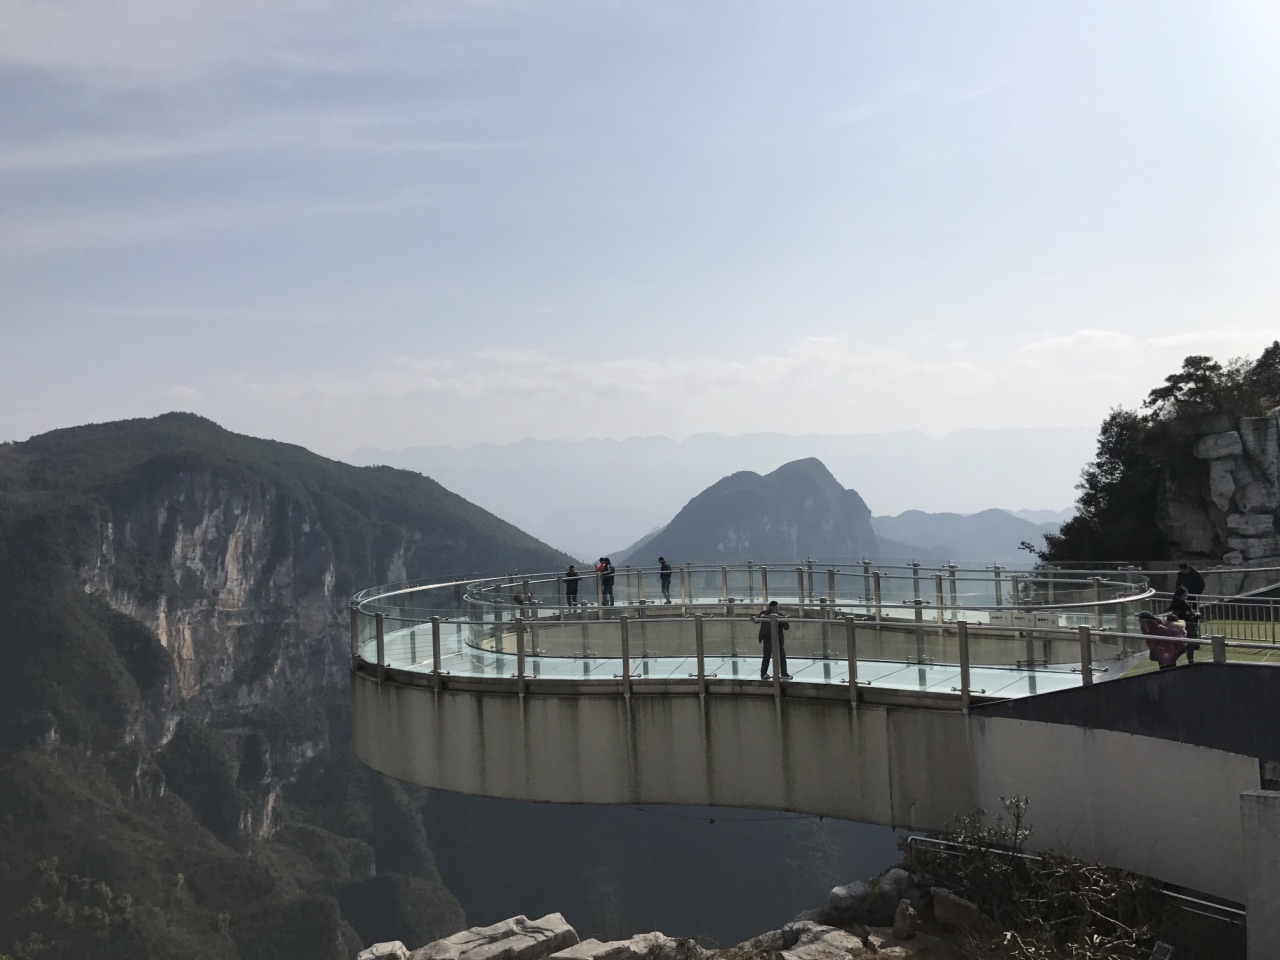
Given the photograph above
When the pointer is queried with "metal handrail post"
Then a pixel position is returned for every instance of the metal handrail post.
(824, 614)
(1097, 599)
(937, 597)
(413, 646)
(809, 567)
(999, 589)
(764, 584)
(965, 686)
(751, 582)
(866, 584)
(520, 686)
(919, 605)
(379, 626)
(831, 584)
(879, 596)
(915, 580)
(1086, 655)
(626, 657)
(684, 586)
(355, 633)
(777, 655)
(699, 644)
(639, 586)
(851, 641)
(435, 650)
(951, 577)
(724, 583)
(1015, 589)
(800, 585)
(560, 597)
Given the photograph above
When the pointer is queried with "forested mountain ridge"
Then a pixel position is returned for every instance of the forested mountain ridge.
(173, 715)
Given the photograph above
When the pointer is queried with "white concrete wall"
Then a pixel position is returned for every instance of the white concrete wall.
(902, 767)
(1165, 809)
(1260, 823)
(1152, 806)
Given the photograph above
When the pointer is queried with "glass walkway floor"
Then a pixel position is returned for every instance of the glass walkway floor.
(460, 659)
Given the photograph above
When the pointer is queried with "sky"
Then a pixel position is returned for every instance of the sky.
(425, 222)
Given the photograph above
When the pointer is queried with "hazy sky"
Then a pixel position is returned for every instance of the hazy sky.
(381, 224)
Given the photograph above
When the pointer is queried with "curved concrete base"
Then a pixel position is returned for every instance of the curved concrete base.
(1162, 808)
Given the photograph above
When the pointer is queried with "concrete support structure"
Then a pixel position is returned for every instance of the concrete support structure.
(1260, 829)
(914, 761)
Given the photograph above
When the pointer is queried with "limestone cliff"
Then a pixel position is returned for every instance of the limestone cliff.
(1222, 505)
(173, 713)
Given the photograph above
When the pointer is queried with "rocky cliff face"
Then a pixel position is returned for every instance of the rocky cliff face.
(1224, 505)
(174, 624)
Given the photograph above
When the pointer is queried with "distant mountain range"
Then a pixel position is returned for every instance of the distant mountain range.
(588, 497)
(800, 510)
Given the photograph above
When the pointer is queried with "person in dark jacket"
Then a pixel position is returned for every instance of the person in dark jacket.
(664, 577)
(606, 571)
(1181, 608)
(571, 578)
(1189, 577)
(764, 618)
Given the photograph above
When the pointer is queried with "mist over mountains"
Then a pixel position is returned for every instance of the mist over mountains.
(593, 496)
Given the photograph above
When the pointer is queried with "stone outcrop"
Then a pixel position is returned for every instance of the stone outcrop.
(518, 938)
(1227, 514)
(873, 903)
(880, 918)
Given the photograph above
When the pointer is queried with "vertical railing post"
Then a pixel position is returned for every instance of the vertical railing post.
(951, 579)
(1086, 656)
(866, 585)
(919, 605)
(1015, 590)
(879, 596)
(435, 650)
(965, 687)
(684, 586)
(937, 597)
(1097, 600)
(520, 656)
(355, 633)
(764, 584)
(915, 581)
(809, 569)
(699, 643)
(560, 597)
(831, 584)
(626, 657)
(851, 641)
(457, 596)
(751, 582)
(776, 633)
(413, 645)
(724, 583)
(824, 614)
(379, 626)
(639, 586)
(1219, 649)
(999, 589)
(800, 585)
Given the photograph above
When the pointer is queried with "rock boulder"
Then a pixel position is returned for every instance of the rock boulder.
(516, 939)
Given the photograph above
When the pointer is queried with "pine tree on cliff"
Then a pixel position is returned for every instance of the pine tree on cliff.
(1119, 491)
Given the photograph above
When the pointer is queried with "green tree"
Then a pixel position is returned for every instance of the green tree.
(1119, 490)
